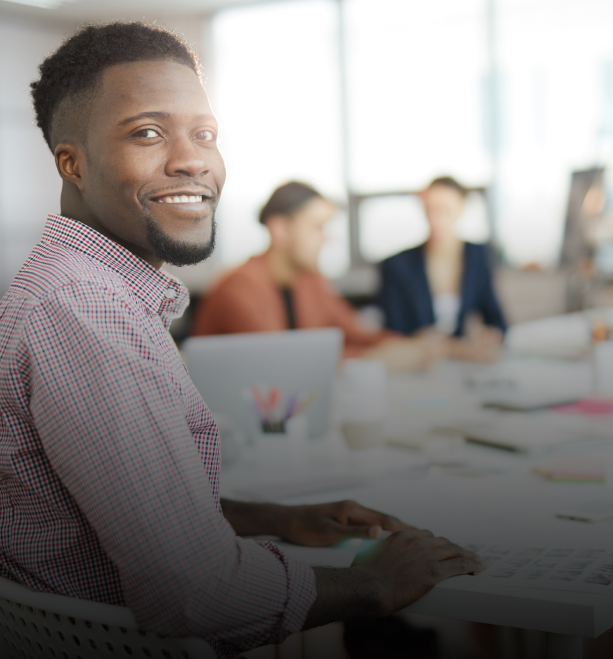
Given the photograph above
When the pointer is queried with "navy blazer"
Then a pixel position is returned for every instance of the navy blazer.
(405, 293)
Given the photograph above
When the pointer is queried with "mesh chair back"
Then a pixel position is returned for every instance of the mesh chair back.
(45, 626)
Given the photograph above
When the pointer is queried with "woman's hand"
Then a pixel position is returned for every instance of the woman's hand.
(483, 345)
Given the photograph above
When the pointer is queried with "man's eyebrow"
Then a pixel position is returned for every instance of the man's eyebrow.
(153, 114)
(158, 114)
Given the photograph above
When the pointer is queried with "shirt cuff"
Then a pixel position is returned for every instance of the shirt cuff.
(301, 591)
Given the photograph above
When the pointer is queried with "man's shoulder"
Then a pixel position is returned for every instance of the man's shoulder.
(52, 267)
(53, 271)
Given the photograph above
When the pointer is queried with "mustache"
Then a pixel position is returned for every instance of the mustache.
(181, 185)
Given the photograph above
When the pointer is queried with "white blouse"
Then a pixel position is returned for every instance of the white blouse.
(446, 308)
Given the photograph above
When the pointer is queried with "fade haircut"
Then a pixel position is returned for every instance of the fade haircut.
(70, 77)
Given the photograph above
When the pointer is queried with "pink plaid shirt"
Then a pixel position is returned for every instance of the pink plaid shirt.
(109, 458)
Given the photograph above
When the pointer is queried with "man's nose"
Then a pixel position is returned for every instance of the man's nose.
(186, 159)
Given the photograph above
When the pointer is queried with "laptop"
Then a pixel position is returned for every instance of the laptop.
(238, 374)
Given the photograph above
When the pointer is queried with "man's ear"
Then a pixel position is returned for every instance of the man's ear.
(71, 163)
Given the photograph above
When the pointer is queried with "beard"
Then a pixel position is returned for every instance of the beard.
(178, 252)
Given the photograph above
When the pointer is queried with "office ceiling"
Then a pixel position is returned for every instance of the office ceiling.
(91, 10)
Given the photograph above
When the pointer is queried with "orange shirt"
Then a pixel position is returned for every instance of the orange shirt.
(248, 300)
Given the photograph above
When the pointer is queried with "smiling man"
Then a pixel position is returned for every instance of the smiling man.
(109, 457)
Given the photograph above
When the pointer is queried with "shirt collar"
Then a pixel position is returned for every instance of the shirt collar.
(159, 291)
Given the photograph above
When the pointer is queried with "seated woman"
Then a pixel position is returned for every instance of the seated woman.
(283, 289)
(444, 282)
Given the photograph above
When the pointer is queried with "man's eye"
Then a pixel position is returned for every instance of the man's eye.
(147, 132)
(206, 135)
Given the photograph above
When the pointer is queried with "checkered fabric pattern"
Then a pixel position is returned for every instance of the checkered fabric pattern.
(109, 457)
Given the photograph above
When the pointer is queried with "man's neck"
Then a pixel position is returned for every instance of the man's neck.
(72, 206)
(284, 273)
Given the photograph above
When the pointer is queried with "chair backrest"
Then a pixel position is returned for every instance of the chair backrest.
(42, 625)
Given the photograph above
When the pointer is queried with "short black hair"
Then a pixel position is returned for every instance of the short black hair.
(287, 199)
(76, 67)
(449, 182)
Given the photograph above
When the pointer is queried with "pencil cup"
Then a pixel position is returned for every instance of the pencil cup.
(364, 400)
(277, 448)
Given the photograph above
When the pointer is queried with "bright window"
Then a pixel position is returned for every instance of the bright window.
(416, 77)
(275, 90)
(514, 104)
(555, 60)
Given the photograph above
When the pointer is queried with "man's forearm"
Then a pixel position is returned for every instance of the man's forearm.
(254, 518)
(343, 593)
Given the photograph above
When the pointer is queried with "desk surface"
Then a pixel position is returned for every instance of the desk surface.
(472, 494)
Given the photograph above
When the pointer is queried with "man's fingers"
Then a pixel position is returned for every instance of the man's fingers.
(446, 549)
(447, 552)
(371, 531)
(455, 559)
(353, 513)
(462, 565)
(389, 523)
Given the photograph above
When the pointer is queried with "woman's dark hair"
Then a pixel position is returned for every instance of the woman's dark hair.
(287, 199)
(449, 182)
(76, 67)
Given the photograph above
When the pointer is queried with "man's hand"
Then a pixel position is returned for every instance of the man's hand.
(408, 564)
(327, 523)
(393, 574)
(316, 526)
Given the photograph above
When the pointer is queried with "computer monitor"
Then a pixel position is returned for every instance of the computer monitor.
(576, 245)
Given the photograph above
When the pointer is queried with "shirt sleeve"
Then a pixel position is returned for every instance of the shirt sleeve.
(113, 426)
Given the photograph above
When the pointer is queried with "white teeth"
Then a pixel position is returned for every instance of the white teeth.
(183, 199)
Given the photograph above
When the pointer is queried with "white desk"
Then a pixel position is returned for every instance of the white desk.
(494, 498)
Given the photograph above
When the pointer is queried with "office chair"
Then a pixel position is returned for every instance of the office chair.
(46, 626)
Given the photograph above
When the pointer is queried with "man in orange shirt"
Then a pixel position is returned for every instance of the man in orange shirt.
(283, 289)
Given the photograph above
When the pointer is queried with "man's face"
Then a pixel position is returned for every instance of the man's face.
(154, 172)
(306, 230)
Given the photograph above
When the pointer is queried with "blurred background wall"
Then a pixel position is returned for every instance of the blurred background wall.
(368, 100)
